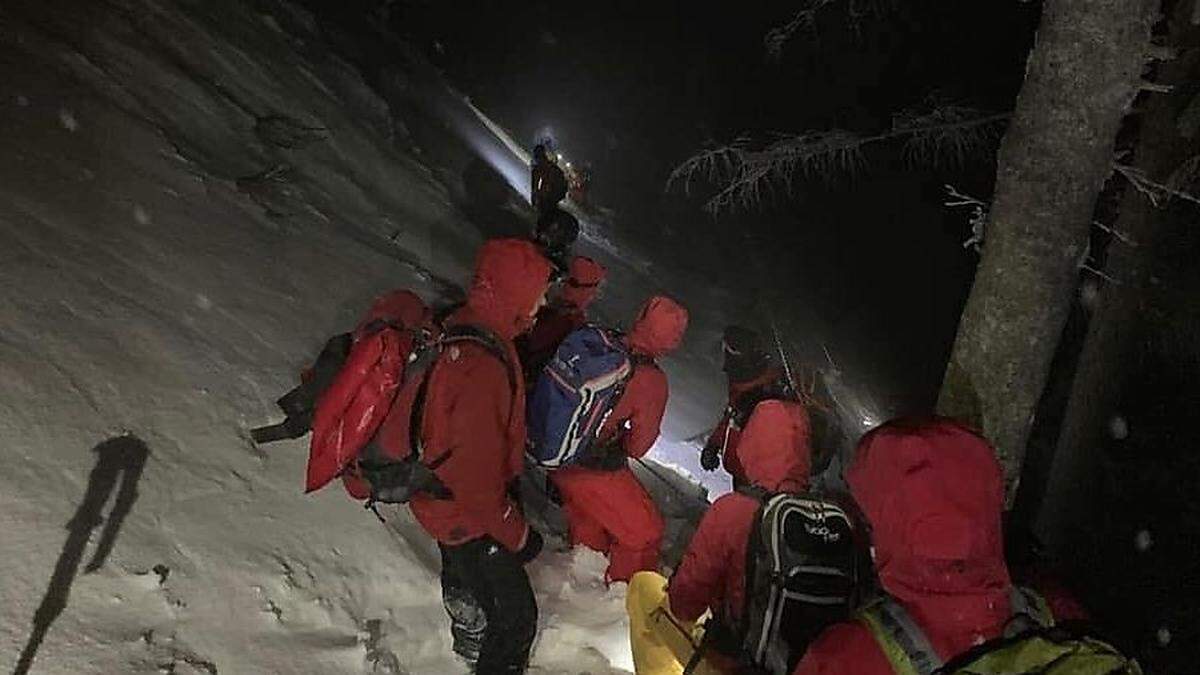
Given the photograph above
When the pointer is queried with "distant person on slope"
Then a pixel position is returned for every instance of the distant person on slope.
(547, 183)
(473, 425)
(607, 509)
(555, 234)
(566, 312)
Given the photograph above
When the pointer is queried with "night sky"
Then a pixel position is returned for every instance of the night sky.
(872, 263)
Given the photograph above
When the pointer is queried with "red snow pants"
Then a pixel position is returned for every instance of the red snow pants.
(610, 512)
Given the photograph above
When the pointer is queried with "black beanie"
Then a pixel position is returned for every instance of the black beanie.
(745, 358)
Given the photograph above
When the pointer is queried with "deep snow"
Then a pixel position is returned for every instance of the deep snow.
(192, 197)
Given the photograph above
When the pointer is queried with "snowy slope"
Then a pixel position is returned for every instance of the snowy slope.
(165, 266)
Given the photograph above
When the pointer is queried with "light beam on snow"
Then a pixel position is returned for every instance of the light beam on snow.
(684, 458)
(489, 141)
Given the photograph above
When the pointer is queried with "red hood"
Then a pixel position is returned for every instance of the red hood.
(583, 283)
(400, 307)
(511, 275)
(659, 327)
(933, 493)
(774, 448)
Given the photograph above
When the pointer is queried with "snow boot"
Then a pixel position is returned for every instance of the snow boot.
(468, 623)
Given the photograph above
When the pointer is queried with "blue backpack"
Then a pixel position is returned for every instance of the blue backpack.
(574, 395)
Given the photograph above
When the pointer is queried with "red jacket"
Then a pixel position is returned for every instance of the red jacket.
(728, 436)
(933, 493)
(475, 410)
(567, 313)
(657, 331)
(776, 454)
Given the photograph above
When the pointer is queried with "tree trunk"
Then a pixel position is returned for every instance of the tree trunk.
(1121, 312)
(1082, 76)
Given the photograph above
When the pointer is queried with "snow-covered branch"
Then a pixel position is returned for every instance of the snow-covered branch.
(947, 134)
(746, 174)
(977, 218)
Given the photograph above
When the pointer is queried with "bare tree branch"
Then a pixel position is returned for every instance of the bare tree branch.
(805, 20)
(1122, 237)
(1156, 192)
(977, 219)
(1088, 268)
(746, 174)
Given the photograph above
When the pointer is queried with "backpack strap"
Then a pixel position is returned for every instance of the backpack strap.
(1029, 610)
(902, 641)
(460, 333)
(425, 354)
(753, 491)
(762, 496)
(908, 649)
(485, 339)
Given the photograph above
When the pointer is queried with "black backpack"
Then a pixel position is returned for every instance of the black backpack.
(804, 571)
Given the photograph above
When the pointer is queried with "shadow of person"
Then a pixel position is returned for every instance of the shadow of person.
(119, 459)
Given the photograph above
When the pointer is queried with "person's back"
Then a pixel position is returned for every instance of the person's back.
(637, 418)
(607, 508)
(730, 569)
(548, 183)
(555, 232)
(932, 492)
(472, 437)
(753, 377)
(712, 573)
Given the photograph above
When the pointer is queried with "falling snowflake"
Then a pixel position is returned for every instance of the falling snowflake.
(141, 215)
(1118, 426)
(1089, 293)
(22, 101)
(1164, 636)
(1143, 541)
(203, 302)
(67, 118)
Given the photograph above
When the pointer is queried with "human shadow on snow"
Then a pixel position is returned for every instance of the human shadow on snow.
(119, 464)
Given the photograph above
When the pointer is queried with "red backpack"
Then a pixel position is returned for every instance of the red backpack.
(382, 387)
(350, 410)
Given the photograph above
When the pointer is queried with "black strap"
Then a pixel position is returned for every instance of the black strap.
(752, 547)
(459, 333)
(754, 491)
(697, 654)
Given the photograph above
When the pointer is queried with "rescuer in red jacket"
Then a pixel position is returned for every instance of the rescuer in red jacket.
(474, 418)
(607, 509)
(565, 313)
(752, 377)
(933, 494)
(775, 456)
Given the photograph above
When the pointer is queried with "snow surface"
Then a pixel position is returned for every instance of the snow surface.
(168, 267)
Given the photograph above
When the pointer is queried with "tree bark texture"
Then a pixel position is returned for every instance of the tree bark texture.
(1123, 313)
(1081, 78)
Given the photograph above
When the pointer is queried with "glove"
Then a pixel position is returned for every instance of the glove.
(710, 458)
(532, 547)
